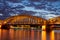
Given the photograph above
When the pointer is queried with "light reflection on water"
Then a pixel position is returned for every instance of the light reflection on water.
(52, 35)
(12, 34)
(43, 35)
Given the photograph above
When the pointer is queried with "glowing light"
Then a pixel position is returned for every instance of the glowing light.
(43, 35)
(52, 35)
(0, 26)
(0, 33)
(11, 26)
(43, 27)
(5, 22)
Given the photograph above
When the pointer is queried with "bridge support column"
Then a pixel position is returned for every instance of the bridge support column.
(49, 27)
(5, 26)
(43, 27)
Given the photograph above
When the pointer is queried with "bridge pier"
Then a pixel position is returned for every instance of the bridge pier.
(44, 27)
(49, 27)
(5, 26)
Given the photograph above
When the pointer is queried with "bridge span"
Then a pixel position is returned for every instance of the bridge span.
(27, 20)
(24, 20)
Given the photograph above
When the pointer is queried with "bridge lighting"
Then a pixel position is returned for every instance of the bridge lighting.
(5, 22)
(0, 26)
(43, 27)
(11, 26)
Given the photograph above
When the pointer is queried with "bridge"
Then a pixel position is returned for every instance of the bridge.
(54, 22)
(21, 20)
(28, 21)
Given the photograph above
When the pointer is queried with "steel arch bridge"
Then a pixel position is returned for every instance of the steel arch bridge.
(24, 20)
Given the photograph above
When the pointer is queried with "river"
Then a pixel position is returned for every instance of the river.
(24, 34)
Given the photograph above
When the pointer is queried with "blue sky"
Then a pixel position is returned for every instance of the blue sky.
(42, 8)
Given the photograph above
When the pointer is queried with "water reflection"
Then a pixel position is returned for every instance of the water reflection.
(19, 34)
(57, 34)
(52, 35)
(0, 34)
(4, 35)
(43, 35)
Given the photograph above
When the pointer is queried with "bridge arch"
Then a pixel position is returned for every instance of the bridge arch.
(25, 19)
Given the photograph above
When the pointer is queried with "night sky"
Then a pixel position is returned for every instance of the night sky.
(42, 8)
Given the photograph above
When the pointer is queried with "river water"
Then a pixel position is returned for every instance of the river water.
(24, 34)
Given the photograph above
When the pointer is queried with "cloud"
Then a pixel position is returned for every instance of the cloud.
(36, 10)
(12, 14)
(1, 14)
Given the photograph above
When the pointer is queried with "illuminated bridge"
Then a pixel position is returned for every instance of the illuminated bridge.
(28, 21)
(24, 20)
(54, 22)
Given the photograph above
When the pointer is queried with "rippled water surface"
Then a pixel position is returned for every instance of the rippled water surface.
(22, 34)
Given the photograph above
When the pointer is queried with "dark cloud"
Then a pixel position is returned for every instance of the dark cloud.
(30, 7)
